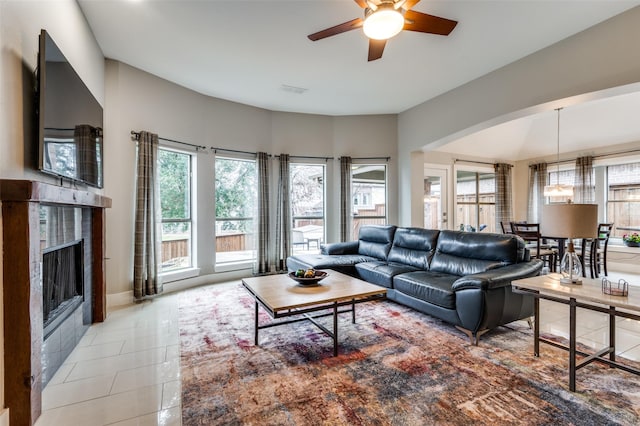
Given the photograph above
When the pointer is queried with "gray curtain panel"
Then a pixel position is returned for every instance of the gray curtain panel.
(146, 255)
(262, 227)
(85, 139)
(283, 215)
(584, 188)
(345, 198)
(504, 211)
(537, 182)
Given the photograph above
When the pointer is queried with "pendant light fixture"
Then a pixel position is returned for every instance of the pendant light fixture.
(558, 190)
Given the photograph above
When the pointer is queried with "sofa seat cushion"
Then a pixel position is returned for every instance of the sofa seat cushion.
(382, 273)
(324, 261)
(430, 286)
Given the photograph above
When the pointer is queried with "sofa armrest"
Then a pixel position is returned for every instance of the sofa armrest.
(500, 277)
(349, 247)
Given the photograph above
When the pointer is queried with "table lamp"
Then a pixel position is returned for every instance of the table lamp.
(570, 221)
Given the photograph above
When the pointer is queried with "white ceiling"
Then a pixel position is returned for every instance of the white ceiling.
(245, 51)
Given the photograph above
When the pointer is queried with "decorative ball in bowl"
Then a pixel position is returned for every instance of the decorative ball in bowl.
(308, 276)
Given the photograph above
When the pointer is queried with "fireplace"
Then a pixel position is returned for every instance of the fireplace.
(62, 284)
(43, 324)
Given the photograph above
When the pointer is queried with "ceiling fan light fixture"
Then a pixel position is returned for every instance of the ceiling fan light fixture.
(383, 23)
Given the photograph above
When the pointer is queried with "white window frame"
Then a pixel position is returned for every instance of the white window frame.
(193, 270)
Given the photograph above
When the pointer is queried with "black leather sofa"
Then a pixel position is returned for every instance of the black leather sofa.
(463, 278)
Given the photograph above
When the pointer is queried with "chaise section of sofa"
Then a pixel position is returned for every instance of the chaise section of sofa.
(374, 243)
(463, 278)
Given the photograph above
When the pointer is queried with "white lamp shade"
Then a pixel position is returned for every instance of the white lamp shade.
(570, 220)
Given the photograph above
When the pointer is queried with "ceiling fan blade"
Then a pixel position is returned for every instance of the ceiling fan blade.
(338, 29)
(409, 4)
(376, 47)
(423, 23)
(362, 3)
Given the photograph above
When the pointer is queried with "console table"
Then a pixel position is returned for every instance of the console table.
(588, 296)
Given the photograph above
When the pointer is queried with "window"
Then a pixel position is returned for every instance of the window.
(174, 177)
(369, 195)
(236, 197)
(623, 197)
(476, 201)
(307, 206)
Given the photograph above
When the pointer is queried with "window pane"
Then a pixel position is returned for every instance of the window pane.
(174, 179)
(369, 196)
(466, 187)
(307, 206)
(174, 176)
(176, 246)
(623, 202)
(467, 217)
(476, 198)
(432, 202)
(236, 183)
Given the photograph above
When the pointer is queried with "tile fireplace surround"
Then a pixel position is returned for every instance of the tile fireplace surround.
(22, 290)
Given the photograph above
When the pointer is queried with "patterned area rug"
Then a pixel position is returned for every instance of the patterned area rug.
(395, 367)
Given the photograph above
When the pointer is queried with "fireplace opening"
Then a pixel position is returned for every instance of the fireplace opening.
(62, 283)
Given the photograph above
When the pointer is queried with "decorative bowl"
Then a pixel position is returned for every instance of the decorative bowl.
(320, 275)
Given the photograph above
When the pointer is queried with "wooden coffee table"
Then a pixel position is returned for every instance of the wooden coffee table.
(281, 297)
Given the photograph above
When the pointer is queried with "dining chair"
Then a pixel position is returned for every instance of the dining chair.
(506, 227)
(530, 233)
(594, 251)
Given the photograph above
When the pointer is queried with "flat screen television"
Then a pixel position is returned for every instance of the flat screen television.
(69, 118)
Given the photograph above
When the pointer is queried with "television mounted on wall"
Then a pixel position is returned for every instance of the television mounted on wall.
(70, 120)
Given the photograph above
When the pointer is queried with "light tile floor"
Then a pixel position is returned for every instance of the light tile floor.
(126, 371)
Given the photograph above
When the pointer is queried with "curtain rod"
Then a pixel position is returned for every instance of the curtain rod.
(369, 158)
(612, 154)
(455, 160)
(235, 151)
(309, 157)
(197, 147)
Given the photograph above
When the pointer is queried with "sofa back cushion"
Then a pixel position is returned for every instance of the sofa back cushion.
(414, 246)
(465, 253)
(376, 240)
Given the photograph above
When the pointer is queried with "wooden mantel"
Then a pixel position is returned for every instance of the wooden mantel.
(40, 192)
(22, 289)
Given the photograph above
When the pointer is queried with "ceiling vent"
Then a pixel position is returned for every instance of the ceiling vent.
(293, 89)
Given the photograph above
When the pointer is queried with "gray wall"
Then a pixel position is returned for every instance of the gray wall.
(597, 62)
(20, 25)
(136, 100)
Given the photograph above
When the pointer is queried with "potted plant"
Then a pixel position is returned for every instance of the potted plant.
(631, 240)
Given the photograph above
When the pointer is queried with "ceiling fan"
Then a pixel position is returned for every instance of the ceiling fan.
(384, 19)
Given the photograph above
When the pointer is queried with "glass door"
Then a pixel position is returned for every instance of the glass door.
(435, 199)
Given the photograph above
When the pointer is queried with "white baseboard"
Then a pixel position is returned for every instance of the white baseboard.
(126, 297)
(4, 417)
(119, 299)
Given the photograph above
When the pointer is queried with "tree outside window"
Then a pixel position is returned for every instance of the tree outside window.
(236, 197)
(174, 177)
